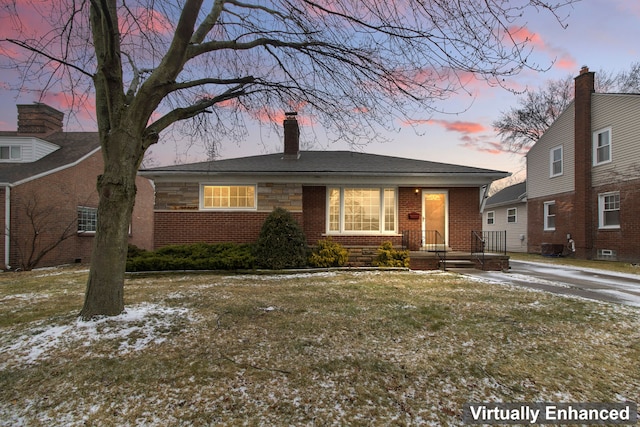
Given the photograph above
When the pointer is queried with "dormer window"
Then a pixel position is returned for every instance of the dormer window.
(10, 152)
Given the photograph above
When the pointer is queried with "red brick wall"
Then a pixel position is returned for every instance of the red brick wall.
(57, 197)
(583, 227)
(625, 241)
(565, 221)
(181, 227)
(464, 217)
(314, 208)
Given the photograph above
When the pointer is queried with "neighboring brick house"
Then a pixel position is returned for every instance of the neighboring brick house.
(507, 210)
(48, 191)
(360, 200)
(583, 177)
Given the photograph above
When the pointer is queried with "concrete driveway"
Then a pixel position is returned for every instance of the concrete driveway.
(600, 285)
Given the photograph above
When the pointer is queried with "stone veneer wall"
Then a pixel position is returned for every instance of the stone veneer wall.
(186, 196)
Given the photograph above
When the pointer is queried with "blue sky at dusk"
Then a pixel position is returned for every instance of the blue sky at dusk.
(601, 34)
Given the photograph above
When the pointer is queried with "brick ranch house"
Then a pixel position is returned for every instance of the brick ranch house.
(360, 200)
(48, 191)
(583, 177)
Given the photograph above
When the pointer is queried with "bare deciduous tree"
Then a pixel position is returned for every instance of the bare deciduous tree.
(39, 227)
(351, 64)
(520, 127)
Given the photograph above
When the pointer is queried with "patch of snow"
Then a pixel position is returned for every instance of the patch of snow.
(138, 327)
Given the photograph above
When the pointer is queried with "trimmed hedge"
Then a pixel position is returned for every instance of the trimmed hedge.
(197, 256)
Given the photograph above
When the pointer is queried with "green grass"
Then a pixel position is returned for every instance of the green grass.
(345, 348)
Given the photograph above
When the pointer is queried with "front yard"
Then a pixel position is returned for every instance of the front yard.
(335, 348)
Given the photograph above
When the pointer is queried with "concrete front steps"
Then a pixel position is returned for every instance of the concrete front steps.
(425, 260)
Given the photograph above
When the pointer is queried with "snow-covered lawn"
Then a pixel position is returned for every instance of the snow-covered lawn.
(337, 348)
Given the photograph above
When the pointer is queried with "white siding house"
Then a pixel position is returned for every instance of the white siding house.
(507, 210)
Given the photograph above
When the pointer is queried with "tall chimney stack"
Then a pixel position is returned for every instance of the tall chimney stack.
(583, 145)
(291, 136)
(39, 119)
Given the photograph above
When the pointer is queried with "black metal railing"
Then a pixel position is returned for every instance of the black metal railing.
(426, 241)
(483, 242)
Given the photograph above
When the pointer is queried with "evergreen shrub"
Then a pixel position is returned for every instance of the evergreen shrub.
(282, 243)
(388, 256)
(328, 254)
(197, 256)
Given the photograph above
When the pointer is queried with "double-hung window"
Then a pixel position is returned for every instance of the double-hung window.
(87, 219)
(555, 161)
(602, 146)
(491, 217)
(228, 197)
(550, 216)
(609, 210)
(361, 210)
(512, 215)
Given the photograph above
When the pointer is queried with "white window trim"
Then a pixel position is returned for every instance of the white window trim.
(491, 215)
(342, 231)
(595, 146)
(545, 215)
(515, 215)
(551, 151)
(228, 209)
(601, 198)
(10, 158)
(87, 232)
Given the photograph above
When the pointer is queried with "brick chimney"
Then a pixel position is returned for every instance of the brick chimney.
(291, 136)
(39, 119)
(583, 202)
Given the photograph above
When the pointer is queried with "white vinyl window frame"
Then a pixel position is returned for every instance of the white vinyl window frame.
(10, 153)
(87, 219)
(340, 222)
(550, 215)
(228, 197)
(512, 215)
(602, 147)
(556, 162)
(491, 217)
(609, 210)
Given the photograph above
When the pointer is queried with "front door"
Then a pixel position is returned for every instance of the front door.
(435, 219)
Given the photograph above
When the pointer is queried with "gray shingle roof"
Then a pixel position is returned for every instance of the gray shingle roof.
(513, 194)
(324, 162)
(73, 147)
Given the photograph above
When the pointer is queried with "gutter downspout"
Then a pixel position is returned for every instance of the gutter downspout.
(484, 191)
(7, 225)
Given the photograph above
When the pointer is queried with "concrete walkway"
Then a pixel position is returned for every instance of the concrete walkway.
(600, 285)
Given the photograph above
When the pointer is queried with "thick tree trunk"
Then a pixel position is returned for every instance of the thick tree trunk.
(116, 188)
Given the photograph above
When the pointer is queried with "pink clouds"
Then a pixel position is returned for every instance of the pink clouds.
(473, 135)
(482, 144)
(561, 57)
(459, 126)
